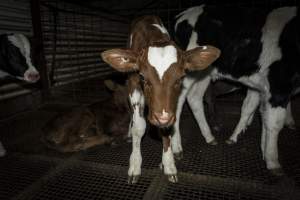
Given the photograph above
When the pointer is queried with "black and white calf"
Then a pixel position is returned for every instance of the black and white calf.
(15, 61)
(261, 49)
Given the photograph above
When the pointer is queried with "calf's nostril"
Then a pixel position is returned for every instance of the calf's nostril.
(163, 118)
(33, 76)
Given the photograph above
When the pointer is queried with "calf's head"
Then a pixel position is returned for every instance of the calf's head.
(161, 68)
(18, 60)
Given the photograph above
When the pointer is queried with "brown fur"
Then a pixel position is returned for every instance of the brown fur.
(87, 126)
(159, 94)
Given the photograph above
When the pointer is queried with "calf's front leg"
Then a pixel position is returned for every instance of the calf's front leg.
(168, 162)
(137, 130)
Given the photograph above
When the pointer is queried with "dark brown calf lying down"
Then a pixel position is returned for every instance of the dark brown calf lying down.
(87, 126)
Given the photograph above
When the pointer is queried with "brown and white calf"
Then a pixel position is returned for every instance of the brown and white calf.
(157, 66)
(80, 128)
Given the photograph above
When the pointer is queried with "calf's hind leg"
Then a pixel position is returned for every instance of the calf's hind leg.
(273, 119)
(195, 100)
(176, 137)
(249, 106)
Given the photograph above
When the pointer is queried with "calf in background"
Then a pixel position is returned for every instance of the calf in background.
(15, 62)
(100, 123)
(263, 56)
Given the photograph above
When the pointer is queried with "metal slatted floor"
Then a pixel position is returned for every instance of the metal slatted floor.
(207, 172)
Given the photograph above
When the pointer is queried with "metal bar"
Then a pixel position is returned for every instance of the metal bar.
(40, 56)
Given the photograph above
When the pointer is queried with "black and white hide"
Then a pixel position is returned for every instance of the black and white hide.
(260, 49)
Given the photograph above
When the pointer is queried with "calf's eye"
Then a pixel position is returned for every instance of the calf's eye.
(142, 77)
(178, 83)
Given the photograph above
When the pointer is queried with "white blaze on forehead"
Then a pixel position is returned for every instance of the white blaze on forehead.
(21, 42)
(161, 58)
(161, 28)
(191, 15)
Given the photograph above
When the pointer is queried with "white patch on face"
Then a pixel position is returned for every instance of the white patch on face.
(271, 32)
(161, 28)
(164, 114)
(191, 15)
(21, 42)
(161, 58)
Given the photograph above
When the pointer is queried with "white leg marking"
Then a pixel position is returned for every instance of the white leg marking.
(195, 100)
(2, 150)
(137, 131)
(168, 162)
(273, 121)
(248, 109)
(289, 120)
(176, 138)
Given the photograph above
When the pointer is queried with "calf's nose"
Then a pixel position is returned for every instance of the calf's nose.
(33, 76)
(164, 118)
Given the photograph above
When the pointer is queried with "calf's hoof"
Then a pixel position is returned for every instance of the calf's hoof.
(172, 178)
(277, 172)
(230, 142)
(178, 156)
(214, 142)
(133, 179)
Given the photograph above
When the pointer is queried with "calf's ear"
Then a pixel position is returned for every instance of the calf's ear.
(122, 60)
(201, 57)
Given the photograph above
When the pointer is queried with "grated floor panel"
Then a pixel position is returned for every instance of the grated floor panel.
(242, 160)
(17, 173)
(88, 182)
(119, 155)
(190, 191)
(101, 172)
